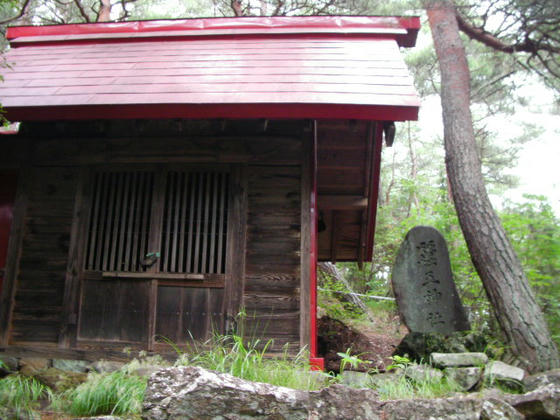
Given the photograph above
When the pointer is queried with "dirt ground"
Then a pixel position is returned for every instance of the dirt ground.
(335, 336)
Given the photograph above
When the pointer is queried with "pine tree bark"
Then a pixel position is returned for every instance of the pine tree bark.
(497, 264)
(104, 11)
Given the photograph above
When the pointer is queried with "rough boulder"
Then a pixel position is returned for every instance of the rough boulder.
(195, 393)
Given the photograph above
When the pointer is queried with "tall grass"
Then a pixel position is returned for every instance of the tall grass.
(116, 393)
(230, 354)
(404, 388)
(19, 396)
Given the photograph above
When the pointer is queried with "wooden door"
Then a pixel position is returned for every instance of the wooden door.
(155, 259)
(8, 183)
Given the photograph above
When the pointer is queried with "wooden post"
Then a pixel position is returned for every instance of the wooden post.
(236, 242)
(69, 321)
(305, 300)
(376, 131)
(154, 245)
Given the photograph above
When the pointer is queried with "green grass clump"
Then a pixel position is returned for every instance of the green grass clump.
(404, 388)
(19, 396)
(230, 354)
(115, 393)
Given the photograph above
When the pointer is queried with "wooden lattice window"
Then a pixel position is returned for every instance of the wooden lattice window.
(120, 221)
(193, 229)
(195, 223)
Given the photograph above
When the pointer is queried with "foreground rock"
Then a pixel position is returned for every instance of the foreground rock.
(542, 379)
(191, 393)
(458, 408)
(542, 403)
(195, 393)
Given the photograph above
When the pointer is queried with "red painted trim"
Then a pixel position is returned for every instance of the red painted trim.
(193, 36)
(374, 189)
(317, 363)
(219, 26)
(314, 245)
(205, 111)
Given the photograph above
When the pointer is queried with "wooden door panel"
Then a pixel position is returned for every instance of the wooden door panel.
(189, 312)
(115, 310)
(149, 227)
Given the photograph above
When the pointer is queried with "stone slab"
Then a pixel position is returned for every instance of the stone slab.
(71, 365)
(423, 284)
(31, 365)
(11, 362)
(443, 360)
(503, 372)
(466, 377)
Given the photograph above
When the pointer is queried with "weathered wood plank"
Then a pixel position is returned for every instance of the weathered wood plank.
(225, 149)
(115, 311)
(261, 302)
(44, 249)
(273, 282)
(236, 242)
(67, 335)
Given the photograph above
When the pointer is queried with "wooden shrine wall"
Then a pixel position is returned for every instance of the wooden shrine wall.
(267, 155)
(272, 284)
(39, 293)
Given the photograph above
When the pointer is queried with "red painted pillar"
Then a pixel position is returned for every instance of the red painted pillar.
(317, 363)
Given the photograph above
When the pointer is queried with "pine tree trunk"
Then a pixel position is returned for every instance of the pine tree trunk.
(104, 11)
(497, 264)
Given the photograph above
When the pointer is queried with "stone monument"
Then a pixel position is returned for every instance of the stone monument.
(423, 284)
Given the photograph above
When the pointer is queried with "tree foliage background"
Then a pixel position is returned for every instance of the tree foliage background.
(507, 42)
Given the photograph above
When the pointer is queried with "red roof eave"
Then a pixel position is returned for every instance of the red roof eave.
(403, 29)
(316, 67)
(208, 111)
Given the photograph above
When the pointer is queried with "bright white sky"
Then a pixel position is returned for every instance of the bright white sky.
(538, 167)
(539, 162)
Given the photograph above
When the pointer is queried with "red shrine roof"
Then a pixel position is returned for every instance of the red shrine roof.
(256, 67)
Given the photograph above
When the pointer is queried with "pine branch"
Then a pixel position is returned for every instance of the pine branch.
(488, 39)
(22, 12)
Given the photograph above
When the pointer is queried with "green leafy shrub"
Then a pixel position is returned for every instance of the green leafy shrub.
(347, 358)
(399, 362)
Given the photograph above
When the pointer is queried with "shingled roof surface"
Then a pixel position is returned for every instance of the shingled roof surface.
(283, 67)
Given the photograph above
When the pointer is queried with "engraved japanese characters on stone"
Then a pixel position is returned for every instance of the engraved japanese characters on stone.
(427, 253)
(423, 284)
